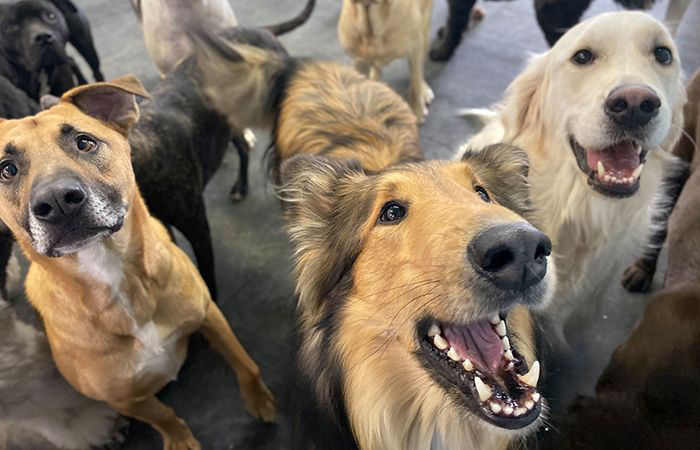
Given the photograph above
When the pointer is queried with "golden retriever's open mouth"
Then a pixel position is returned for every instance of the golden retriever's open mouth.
(478, 361)
(613, 171)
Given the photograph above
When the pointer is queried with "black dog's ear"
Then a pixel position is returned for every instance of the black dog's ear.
(328, 204)
(48, 100)
(504, 169)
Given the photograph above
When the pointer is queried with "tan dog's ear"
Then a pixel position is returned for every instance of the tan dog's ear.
(111, 102)
(522, 108)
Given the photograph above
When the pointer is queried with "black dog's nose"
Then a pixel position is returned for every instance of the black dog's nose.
(513, 256)
(57, 200)
(43, 38)
(632, 105)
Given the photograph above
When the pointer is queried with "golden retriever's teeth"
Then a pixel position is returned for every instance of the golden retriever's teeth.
(509, 355)
(510, 366)
(638, 171)
(601, 169)
(468, 366)
(482, 389)
(508, 410)
(495, 407)
(440, 342)
(536, 397)
(519, 411)
(501, 328)
(434, 330)
(532, 376)
(494, 319)
(506, 343)
(607, 178)
(529, 404)
(454, 356)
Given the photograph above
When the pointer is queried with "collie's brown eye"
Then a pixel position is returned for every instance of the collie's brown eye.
(663, 55)
(481, 192)
(85, 143)
(392, 212)
(582, 57)
(8, 170)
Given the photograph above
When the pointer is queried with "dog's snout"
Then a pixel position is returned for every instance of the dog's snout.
(632, 105)
(512, 256)
(57, 200)
(43, 38)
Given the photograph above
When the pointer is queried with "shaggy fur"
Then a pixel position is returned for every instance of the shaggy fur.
(554, 100)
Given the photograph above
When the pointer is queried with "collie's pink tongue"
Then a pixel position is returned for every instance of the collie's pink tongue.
(620, 159)
(478, 343)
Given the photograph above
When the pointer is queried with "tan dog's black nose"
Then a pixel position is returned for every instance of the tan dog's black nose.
(513, 256)
(632, 105)
(57, 200)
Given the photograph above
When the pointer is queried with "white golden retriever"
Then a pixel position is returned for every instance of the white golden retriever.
(595, 115)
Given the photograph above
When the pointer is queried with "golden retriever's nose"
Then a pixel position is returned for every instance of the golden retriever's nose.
(632, 105)
(57, 200)
(513, 256)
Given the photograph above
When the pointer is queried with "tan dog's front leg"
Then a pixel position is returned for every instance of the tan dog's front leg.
(259, 400)
(176, 434)
(420, 93)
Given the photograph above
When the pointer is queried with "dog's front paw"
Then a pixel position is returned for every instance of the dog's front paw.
(259, 401)
(180, 438)
(638, 277)
(420, 105)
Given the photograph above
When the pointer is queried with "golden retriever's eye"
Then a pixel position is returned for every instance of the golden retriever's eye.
(582, 57)
(663, 55)
(85, 143)
(481, 192)
(392, 212)
(8, 170)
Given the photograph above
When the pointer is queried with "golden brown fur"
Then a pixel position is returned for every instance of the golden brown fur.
(118, 305)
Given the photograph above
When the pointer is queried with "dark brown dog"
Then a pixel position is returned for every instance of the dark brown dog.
(647, 397)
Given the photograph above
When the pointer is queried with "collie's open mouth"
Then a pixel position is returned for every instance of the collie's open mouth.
(480, 361)
(613, 171)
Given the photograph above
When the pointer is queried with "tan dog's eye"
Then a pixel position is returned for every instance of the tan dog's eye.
(8, 170)
(392, 212)
(663, 55)
(481, 192)
(582, 57)
(85, 143)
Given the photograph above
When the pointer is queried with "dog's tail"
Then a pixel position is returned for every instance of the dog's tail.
(243, 71)
(289, 25)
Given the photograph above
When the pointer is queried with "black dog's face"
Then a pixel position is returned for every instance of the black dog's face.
(34, 34)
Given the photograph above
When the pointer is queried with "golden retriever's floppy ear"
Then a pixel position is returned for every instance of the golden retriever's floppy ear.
(503, 169)
(327, 205)
(523, 103)
(112, 102)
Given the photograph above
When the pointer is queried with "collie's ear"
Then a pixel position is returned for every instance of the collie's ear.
(327, 206)
(504, 169)
(524, 97)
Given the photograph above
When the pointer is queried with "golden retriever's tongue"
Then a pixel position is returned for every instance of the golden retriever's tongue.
(619, 160)
(478, 343)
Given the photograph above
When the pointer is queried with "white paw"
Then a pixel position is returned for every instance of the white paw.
(250, 138)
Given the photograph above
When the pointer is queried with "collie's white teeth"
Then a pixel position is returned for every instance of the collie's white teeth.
(434, 330)
(495, 407)
(529, 404)
(519, 411)
(440, 342)
(508, 410)
(638, 171)
(506, 343)
(468, 366)
(454, 356)
(482, 389)
(532, 376)
(494, 319)
(601, 169)
(536, 397)
(501, 328)
(509, 355)
(607, 178)
(639, 149)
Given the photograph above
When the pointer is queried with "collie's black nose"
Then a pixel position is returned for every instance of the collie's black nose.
(57, 200)
(632, 105)
(513, 256)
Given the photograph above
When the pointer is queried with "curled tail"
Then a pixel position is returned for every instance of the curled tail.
(289, 25)
(244, 72)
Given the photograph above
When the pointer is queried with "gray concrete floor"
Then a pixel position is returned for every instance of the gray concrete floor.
(252, 253)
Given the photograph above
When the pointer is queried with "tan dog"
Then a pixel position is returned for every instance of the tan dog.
(118, 299)
(376, 32)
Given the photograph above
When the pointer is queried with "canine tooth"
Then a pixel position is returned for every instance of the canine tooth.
(519, 412)
(454, 356)
(495, 407)
(529, 404)
(532, 376)
(468, 366)
(601, 169)
(501, 328)
(440, 342)
(510, 366)
(494, 319)
(508, 410)
(638, 171)
(434, 330)
(509, 355)
(639, 149)
(506, 343)
(536, 397)
(482, 389)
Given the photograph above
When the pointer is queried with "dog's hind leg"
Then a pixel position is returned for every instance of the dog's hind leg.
(638, 276)
(258, 398)
(175, 433)
(240, 188)
(555, 17)
(450, 35)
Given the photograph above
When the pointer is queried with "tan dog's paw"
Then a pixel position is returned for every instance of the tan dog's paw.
(638, 277)
(184, 442)
(421, 105)
(259, 401)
